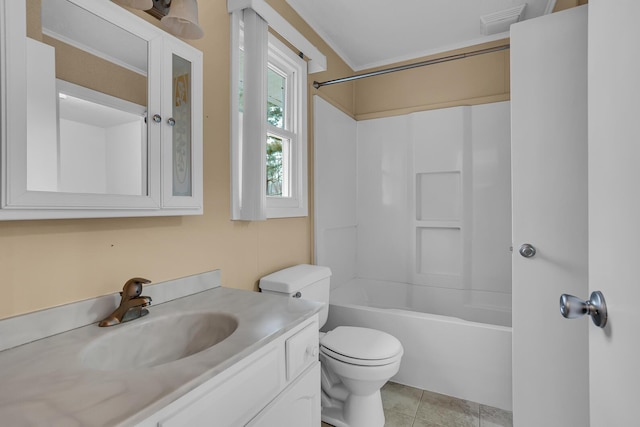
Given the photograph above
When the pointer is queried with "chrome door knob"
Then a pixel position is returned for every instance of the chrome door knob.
(527, 250)
(157, 118)
(572, 307)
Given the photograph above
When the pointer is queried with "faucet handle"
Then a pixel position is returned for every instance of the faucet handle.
(133, 287)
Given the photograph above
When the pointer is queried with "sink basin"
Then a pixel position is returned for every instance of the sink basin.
(155, 341)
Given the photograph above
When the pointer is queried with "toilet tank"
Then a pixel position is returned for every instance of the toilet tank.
(312, 282)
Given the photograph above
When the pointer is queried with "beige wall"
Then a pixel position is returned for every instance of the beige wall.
(567, 4)
(48, 263)
(474, 80)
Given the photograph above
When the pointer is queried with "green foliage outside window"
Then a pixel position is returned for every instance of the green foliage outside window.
(274, 153)
(274, 166)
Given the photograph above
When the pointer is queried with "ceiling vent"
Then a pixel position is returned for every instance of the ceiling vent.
(499, 22)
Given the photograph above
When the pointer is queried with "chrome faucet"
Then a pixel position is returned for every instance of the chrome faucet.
(131, 304)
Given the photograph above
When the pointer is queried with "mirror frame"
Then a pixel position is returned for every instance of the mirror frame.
(16, 201)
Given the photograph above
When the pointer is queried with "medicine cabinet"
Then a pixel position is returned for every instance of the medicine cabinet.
(101, 113)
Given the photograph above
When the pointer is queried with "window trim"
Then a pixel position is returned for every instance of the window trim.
(249, 201)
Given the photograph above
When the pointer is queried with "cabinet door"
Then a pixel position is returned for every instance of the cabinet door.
(182, 126)
(297, 406)
(234, 400)
(75, 137)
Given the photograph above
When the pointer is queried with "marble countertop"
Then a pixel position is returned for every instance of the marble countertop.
(46, 383)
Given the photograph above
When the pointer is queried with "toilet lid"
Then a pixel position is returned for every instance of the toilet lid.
(362, 345)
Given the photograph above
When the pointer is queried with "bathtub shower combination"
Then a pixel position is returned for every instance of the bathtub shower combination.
(413, 216)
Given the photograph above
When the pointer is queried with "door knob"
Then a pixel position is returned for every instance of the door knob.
(572, 307)
(527, 250)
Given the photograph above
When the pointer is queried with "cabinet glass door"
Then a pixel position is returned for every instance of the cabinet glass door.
(181, 126)
(182, 135)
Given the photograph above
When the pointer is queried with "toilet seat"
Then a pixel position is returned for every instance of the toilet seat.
(359, 362)
(361, 346)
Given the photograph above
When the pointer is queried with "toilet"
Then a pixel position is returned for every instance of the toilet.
(356, 362)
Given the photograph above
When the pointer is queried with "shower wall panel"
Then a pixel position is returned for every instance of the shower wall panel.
(434, 202)
(383, 200)
(335, 141)
(491, 198)
(422, 198)
(439, 181)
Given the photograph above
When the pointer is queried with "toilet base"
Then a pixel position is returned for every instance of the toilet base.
(355, 411)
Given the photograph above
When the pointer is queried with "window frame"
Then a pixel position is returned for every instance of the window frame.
(249, 128)
(283, 59)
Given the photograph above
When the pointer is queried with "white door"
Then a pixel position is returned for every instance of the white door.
(613, 229)
(614, 209)
(549, 185)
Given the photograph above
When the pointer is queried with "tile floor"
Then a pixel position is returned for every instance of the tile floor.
(406, 406)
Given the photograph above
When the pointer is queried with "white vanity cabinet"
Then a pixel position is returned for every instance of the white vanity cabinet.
(122, 135)
(277, 385)
(297, 406)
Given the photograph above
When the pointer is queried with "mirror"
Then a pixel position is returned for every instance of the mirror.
(87, 83)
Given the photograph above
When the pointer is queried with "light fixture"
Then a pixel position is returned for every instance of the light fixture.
(179, 17)
(136, 4)
(182, 19)
(160, 8)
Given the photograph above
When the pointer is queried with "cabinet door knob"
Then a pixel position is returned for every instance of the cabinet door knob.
(312, 350)
(157, 118)
(171, 121)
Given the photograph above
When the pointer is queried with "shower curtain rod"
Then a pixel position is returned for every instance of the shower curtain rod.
(318, 85)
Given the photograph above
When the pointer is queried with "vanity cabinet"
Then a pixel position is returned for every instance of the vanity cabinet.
(277, 385)
(101, 114)
(297, 406)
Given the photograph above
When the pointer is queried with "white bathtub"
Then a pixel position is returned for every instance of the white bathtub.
(448, 355)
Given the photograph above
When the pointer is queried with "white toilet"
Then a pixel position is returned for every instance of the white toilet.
(356, 362)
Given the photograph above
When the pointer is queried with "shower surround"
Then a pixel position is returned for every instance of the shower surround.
(413, 216)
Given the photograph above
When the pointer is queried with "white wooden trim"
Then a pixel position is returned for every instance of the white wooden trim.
(317, 61)
(236, 123)
(254, 125)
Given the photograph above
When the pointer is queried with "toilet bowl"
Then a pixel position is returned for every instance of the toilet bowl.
(356, 362)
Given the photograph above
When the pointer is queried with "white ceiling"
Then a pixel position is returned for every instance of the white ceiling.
(371, 33)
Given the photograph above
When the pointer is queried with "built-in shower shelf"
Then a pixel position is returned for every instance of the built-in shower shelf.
(437, 224)
(439, 195)
(439, 255)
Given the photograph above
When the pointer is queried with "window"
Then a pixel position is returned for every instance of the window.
(277, 143)
(276, 130)
(286, 150)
